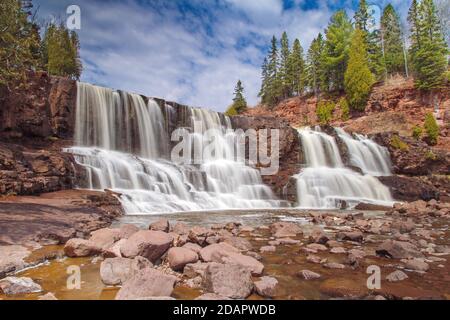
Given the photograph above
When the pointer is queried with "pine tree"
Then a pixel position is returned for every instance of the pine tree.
(393, 43)
(358, 77)
(315, 64)
(362, 17)
(415, 28)
(296, 69)
(19, 42)
(286, 86)
(239, 102)
(273, 90)
(264, 80)
(429, 54)
(338, 35)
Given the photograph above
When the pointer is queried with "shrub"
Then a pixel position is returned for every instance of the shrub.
(345, 109)
(429, 155)
(324, 111)
(231, 111)
(431, 128)
(417, 132)
(399, 144)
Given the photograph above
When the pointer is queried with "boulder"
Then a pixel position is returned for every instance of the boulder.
(238, 242)
(215, 252)
(179, 257)
(14, 286)
(403, 226)
(193, 270)
(199, 235)
(285, 229)
(116, 271)
(105, 238)
(416, 264)
(266, 286)
(355, 236)
(231, 280)
(148, 244)
(12, 259)
(81, 248)
(318, 236)
(267, 249)
(333, 265)
(127, 230)
(180, 228)
(147, 283)
(315, 247)
(114, 250)
(192, 246)
(255, 267)
(397, 275)
(160, 225)
(398, 250)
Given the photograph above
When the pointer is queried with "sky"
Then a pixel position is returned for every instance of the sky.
(191, 51)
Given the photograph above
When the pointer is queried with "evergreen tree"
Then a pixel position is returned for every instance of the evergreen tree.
(429, 54)
(338, 35)
(239, 102)
(362, 17)
(286, 85)
(273, 90)
(358, 77)
(315, 64)
(264, 80)
(19, 41)
(415, 28)
(296, 69)
(393, 43)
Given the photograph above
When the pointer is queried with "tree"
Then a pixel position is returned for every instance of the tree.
(296, 69)
(431, 128)
(61, 52)
(443, 12)
(358, 77)
(429, 50)
(286, 85)
(315, 64)
(393, 43)
(19, 42)
(239, 102)
(362, 17)
(273, 85)
(338, 34)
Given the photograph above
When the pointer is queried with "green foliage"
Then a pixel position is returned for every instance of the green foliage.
(430, 155)
(417, 132)
(61, 52)
(431, 129)
(239, 103)
(428, 49)
(231, 111)
(399, 144)
(324, 111)
(393, 41)
(358, 78)
(314, 69)
(345, 109)
(296, 69)
(19, 42)
(337, 44)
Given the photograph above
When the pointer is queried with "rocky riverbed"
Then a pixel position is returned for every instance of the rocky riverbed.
(286, 254)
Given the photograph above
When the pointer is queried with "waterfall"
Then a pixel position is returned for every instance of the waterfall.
(325, 182)
(122, 142)
(365, 154)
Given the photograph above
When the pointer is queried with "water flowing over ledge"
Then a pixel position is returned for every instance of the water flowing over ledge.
(122, 142)
(326, 183)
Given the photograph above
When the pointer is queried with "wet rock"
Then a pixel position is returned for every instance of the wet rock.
(127, 230)
(266, 286)
(315, 247)
(211, 297)
(160, 225)
(308, 275)
(238, 242)
(355, 236)
(232, 281)
(398, 250)
(397, 275)
(148, 244)
(179, 257)
(12, 259)
(255, 267)
(267, 249)
(313, 259)
(116, 271)
(192, 246)
(318, 236)
(333, 265)
(288, 241)
(333, 244)
(337, 250)
(48, 296)
(343, 288)
(114, 250)
(359, 254)
(105, 238)
(215, 252)
(147, 283)
(81, 248)
(416, 264)
(285, 229)
(14, 286)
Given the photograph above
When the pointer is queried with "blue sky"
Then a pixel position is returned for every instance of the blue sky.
(190, 51)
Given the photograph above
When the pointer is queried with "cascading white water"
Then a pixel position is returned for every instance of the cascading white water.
(365, 154)
(325, 182)
(123, 145)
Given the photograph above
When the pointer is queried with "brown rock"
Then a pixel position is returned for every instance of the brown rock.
(179, 257)
(318, 236)
(127, 230)
(266, 286)
(285, 229)
(416, 264)
(396, 276)
(192, 246)
(15, 286)
(308, 275)
(215, 252)
(116, 271)
(148, 244)
(398, 250)
(355, 236)
(343, 288)
(81, 248)
(255, 267)
(105, 238)
(160, 225)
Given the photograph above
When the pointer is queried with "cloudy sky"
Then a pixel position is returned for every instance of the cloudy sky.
(190, 51)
